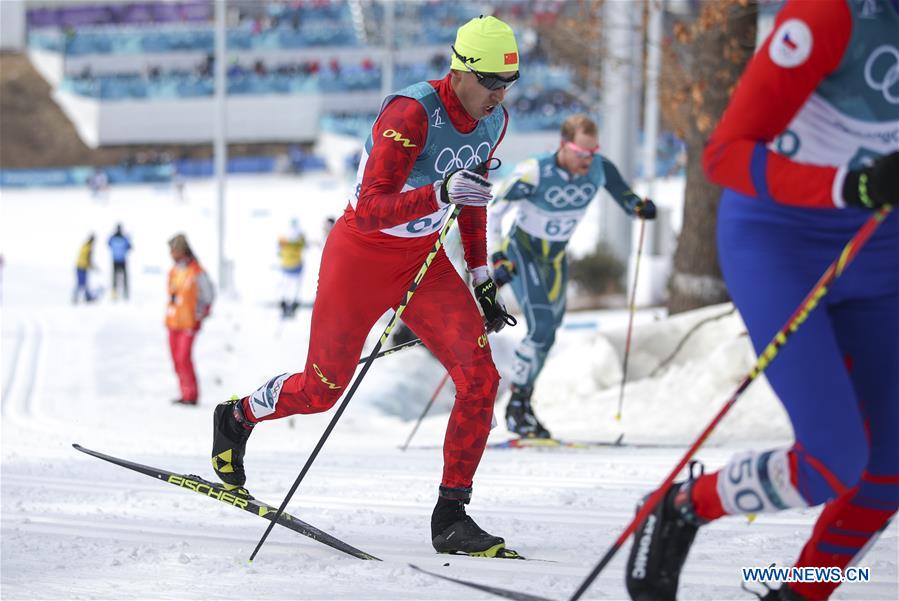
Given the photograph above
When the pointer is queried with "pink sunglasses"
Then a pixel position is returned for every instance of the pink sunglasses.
(581, 152)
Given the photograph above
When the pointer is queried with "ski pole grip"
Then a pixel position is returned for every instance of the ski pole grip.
(485, 166)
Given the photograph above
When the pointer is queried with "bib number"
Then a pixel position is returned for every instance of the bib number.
(560, 227)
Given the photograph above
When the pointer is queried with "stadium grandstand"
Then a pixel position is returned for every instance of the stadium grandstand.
(142, 73)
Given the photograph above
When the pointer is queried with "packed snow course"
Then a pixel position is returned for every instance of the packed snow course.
(74, 527)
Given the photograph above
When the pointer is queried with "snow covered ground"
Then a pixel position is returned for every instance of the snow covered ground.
(100, 374)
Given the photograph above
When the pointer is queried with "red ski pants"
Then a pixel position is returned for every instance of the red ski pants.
(181, 344)
(359, 280)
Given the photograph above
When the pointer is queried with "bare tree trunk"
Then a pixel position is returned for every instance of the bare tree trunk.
(707, 57)
(696, 280)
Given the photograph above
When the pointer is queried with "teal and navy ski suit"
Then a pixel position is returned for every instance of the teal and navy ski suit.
(550, 202)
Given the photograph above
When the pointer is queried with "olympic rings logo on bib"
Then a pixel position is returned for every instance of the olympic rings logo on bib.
(886, 78)
(570, 195)
(465, 157)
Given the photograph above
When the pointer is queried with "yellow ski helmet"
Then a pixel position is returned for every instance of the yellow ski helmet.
(487, 45)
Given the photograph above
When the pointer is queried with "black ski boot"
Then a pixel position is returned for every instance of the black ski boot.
(453, 531)
(230, 431)
(661, 544)
(520, 418)
(402, 334)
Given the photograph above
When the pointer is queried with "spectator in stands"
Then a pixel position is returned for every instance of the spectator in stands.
(234, 69)
(259, 68)
(368, 64)
(297, 158)
(68, 36)
(438, 62)
(334, 65)
(205, 68)
(119, 246)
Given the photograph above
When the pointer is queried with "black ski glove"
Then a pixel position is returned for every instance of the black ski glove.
(495, 316)
(646, 210)
(503, 268)
(874, 186)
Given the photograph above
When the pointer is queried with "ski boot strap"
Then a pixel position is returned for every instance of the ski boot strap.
(683, 496)
(238, 413)
(456, 494)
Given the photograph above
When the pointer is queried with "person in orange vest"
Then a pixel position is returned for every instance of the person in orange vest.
(190, 299)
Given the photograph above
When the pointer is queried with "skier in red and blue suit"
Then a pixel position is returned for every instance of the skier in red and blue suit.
(420, 160)
(806, 150)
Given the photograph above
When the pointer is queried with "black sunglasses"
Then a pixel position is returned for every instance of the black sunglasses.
(491, 81)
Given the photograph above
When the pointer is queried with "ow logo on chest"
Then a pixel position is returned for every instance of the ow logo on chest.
(399, 137)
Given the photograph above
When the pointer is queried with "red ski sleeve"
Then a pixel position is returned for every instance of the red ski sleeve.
(473, 221)
(806, 44)
(398, 137)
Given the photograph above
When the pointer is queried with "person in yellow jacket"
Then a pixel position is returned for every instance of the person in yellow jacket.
(84, 263)
(190, 299)
(290, 249)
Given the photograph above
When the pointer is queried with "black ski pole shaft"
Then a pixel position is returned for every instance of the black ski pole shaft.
(393, 349)
(438, 244)
(764, 359)
(425, 412)
(630, 320)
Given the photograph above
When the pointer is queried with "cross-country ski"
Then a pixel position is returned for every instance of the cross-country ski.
(241, 500)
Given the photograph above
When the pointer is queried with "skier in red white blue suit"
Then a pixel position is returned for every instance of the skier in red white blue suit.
(806, 150)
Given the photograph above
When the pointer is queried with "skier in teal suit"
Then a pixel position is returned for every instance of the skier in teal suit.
(550, 193)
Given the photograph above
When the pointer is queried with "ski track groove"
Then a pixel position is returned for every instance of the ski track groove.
(314, 503)
(13, 365)
(243, 537)
(18, 392)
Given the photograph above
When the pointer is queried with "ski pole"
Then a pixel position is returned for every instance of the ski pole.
(630, 319)
(764, 359)
(438, 244)
(425, 412)
(392, 350)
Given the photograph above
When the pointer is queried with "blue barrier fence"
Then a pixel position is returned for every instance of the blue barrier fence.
(144, 174)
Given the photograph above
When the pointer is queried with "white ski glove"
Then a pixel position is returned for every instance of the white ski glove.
(463, 187)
